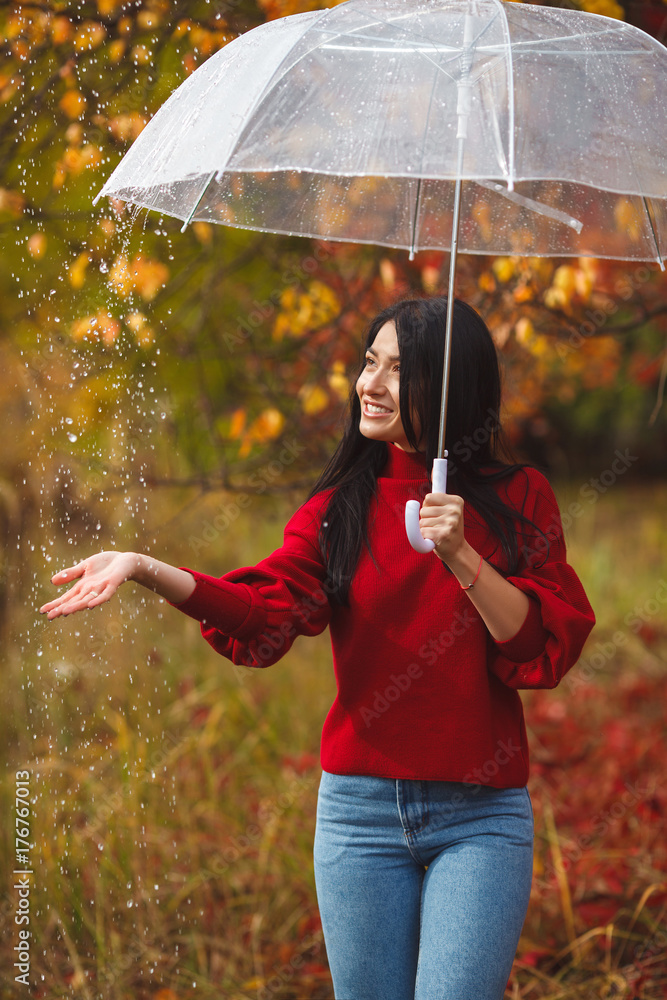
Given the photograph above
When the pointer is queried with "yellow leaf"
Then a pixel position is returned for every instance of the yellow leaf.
(555, 298)
(107, 326)
(73, 103)
(486, 282)
(565, 278)
(338, 380)
(108, 7)
(147, 19)
(583, 283)
(627, 219)
(74, 134)
(387, 273)
(281, 326)
(141, 55)
(90, 35)
(181, 28)
(77, 271)
(289, 298)
(313, 399)
(81, 328)
(37, 245)
(149, 276)
(504, 269)
(267, 425)
(608, 8)
(126, 127)
(116, 50)
(237, 423)
(120, 277)
(523, 293)
(102, 325)
(524, 331)
(481, 213)
(62, 30)
(203, 231)
(138, 324)
(430, 278)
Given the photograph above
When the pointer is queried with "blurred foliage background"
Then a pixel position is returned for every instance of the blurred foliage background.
(178, 393)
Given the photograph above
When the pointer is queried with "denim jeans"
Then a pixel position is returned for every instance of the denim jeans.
(422, 886)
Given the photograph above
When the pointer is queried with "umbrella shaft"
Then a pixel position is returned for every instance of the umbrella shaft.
(450, 303)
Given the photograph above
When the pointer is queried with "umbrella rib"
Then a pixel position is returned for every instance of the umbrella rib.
(198, 201)
(649, 215)
(534, 206)
(510, 96)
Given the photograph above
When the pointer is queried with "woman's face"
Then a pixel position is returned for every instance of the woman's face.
(377, 388)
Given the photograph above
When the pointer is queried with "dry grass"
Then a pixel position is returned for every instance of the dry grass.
(174, 796)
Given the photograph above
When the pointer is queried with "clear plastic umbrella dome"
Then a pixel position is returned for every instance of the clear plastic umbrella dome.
(346, 124)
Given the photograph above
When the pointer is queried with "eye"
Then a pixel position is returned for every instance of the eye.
(369, 360)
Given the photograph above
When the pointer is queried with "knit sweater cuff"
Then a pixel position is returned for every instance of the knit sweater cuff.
(218, 604)
(530, 640)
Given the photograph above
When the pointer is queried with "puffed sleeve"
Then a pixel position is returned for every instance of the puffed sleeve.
(252, 615)
(560, 617)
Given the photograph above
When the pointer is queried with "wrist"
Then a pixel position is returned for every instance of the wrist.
(138, 568)
(464, 564)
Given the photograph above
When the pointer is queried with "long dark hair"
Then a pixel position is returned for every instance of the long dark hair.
(474, 438)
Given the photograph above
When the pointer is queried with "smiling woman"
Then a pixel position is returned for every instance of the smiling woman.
(424, 834)
(378, 388)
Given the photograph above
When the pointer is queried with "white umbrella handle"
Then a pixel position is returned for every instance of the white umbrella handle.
(412, 508)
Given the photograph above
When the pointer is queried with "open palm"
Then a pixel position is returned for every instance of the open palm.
(98, 578)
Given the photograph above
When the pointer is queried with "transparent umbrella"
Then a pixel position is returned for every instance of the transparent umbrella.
(474, 126)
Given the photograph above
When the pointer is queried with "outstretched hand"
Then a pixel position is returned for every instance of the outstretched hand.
(99, 577)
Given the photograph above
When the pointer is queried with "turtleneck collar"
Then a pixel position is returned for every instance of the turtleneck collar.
(404, 464)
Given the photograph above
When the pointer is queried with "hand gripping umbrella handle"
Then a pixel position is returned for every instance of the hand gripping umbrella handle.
(412, 508)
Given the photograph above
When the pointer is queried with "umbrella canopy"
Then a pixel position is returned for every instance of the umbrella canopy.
(472, 125)
(343, 124)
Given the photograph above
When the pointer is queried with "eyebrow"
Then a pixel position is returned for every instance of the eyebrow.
(394, 357)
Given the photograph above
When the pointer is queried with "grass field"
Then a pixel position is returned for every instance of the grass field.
(173, 795)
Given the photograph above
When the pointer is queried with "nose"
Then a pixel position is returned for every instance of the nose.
(374, 382)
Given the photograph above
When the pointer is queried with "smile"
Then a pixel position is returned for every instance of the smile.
(373, 409)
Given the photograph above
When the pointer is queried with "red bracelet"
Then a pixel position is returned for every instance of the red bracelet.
(479, 570)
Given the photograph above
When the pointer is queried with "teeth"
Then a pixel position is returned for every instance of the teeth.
(376, 409)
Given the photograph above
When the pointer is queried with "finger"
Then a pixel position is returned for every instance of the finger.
(440, 499)
(432, 513)
(434, 499)
(96, 598)
(68, 604)
(62, 599)
(71, 573)
(89, 597)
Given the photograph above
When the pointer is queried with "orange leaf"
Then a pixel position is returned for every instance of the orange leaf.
(148, 276)
(73, 103)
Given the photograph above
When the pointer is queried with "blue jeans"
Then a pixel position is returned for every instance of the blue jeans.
(422, 886)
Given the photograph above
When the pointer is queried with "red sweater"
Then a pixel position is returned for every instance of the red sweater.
(424, 692)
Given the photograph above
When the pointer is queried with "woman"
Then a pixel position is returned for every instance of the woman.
(424, 834)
